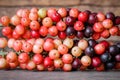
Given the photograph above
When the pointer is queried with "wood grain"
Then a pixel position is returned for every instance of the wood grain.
(38, 2)
(101, 2)
(77, 75)
(9, 7)
(59, 2)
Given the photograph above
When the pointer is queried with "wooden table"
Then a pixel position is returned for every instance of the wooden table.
(57, 75)
(9, 7)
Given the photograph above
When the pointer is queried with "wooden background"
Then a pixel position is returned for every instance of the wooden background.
(9, 7)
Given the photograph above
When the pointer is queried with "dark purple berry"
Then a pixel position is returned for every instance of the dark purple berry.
(110, 15)
(80, 34)
(117, 20)
(92, 18)
(70, 20)
(76, 64)
(92, 42)
(117, 57)
(105, 57)
(70, 31)
(89, 51)
(113, 50)
(88, 32)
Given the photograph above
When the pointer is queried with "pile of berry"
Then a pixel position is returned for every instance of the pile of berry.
(59, 39)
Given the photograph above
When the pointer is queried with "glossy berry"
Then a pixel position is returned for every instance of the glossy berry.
(78, 26)
(105, 34)
(5, 20)
(92, 42)
(105, 43)
(74, 12)
(113, 50)
(110, 15)
(114, 30)
(62, 35)
(96, 61)
(100, 16)
(109, 65)
(89, 51)
(88, 12)
(107, 23)
(61, 26)
(42, 13)
(92, 18)
(62, 12)
(43, 31)
(96, 35)
(70, 31)
(48, 62)
(76, 64)
(117, 57)
(35, 34)
(117, 20)
(56, 17)
(69, 20)
(83, 16)
(118, 45)
(99, 49)
(6, 30)
(53, 31)
(88, 32)
(86, 60)
(98, 27)
(79, 34)
(105, 57)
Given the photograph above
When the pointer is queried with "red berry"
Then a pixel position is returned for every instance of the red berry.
(62, 35)
(83, 16)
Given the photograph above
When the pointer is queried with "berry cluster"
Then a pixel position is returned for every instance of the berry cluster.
(54, 39)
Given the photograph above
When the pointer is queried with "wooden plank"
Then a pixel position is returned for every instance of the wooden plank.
(64, 2)
(101, 2)
(14, 3)
(23, 2)
(59, 2)
(38, 2)
(76, 75)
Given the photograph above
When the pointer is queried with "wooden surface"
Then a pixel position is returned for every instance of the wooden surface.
(77, 75)
(38, 2)
(9, 7)
(59, 2)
